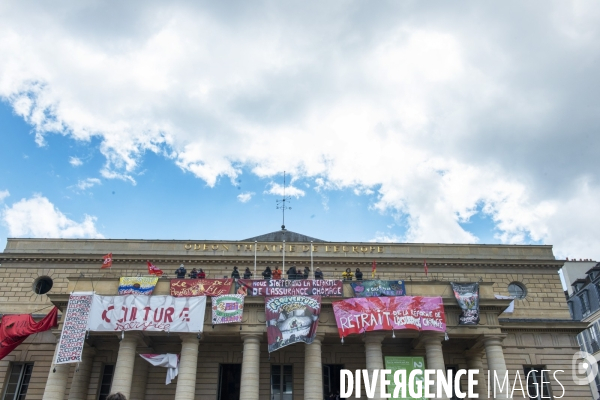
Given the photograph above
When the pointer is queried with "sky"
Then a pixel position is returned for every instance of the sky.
(427, 122)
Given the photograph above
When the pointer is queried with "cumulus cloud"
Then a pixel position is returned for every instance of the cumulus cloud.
(38, 217)
(87, 183)
(75, 161)
(4, 194)
(245, 197)
(439, 111)
(279, 190)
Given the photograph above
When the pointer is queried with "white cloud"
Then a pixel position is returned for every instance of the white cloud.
(74, 161)
(278, 190)
(431, 111)
(382, 237)
(38, 217)
(4, 194)
(87, 183)
(245, 197)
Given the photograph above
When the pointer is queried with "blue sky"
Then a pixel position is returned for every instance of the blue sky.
(395, 122)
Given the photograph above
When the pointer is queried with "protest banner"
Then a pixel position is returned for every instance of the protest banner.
(200, 287)
(15, 328)
(72, 337)
(467, 296)
(376, 288)
(286, 287)
(291, 319)
(227, 308)
(357, 315)
(147, 313)
(143, 285)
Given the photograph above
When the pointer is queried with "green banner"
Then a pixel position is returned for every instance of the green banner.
(404, 363)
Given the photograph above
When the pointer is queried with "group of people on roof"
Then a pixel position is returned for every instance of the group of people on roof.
(194, 273)
(294, 273)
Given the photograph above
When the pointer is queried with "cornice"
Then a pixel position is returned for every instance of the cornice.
(434, 265)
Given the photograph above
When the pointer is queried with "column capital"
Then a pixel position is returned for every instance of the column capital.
(251, 337)
(374, 337)
(474, 353)
(428, 337)
(131, 335)
(187, 337)
(493, 339)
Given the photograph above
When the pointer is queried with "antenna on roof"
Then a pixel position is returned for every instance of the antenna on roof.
(282, 205)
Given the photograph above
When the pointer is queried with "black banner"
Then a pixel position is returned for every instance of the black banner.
(467, 296)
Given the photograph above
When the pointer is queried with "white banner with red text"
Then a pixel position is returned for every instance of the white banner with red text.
(147, 313)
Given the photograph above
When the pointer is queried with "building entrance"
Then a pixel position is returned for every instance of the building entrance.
(230, 377)
(331, 378)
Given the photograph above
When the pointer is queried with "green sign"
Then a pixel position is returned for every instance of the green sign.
(408, 364)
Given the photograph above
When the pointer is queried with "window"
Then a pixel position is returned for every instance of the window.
(42, 285)
(517, 290)
(538, 384)
(571, 310)
(18, 381)
(106, 382)
(281, 382)
(585, 302)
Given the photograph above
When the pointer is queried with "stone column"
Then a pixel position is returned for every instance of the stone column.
(188, 367)
(82, 375)
(434, 354)
(250, 367)
(56, 385)
(123, 375)
(313, 370)
(495, 360)
(374, 355)
(140, 376)
(475, 361)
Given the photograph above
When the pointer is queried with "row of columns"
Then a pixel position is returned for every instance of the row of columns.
(130, 368)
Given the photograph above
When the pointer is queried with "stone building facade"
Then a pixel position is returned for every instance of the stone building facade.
(228, 359)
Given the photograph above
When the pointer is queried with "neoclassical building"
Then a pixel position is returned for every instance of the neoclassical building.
(227, 361)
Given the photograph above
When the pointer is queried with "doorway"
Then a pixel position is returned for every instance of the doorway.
(331, 378)
(230, 377)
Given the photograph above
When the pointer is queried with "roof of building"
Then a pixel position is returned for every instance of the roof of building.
(281, 235)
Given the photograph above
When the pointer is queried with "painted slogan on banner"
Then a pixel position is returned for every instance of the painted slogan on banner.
(227, 309)
(143, 285)
(291, 319)
(358, 315)
(467, 296)
(147, 313)
(200, 287)
(286, 287)
(376, 288)
(74, 328)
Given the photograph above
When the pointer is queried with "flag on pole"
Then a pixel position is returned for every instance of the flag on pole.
(373, 269)
(107, 261)
(154, 270)
(425, 267)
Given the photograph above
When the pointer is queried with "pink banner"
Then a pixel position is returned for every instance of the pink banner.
(358, 315)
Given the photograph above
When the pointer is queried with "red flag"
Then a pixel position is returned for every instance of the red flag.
(425, 266)
(154, 270)
(14, 329)
(107, 263)
(373, 269)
